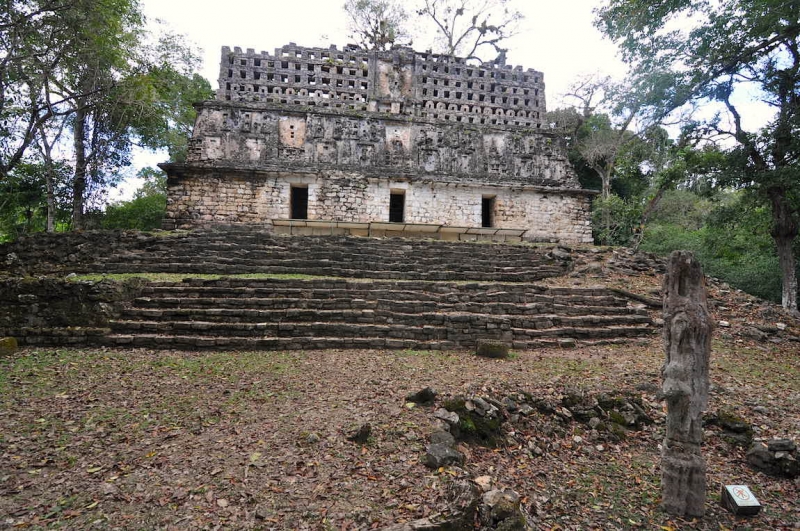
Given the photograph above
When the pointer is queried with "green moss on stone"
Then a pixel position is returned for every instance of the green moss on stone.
(8, 345)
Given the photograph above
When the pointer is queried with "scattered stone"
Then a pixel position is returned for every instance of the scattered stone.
(781, 445)
(594, 422)
(561, 253)
(361, 436)
(780, 326)
(478, 422)
(772, 460)
(501, 510)
(761, 410)
(724, 324)
(483, 482)
(510, 405)
(423, 397)
(109, 489)
(567, 342)
(534, 449)
(526, 410)
(447, 416)
(442, 437)
(482, 407)
(754, 333)
(491, 349)
(439, 455)
(312, 438)
(735, 429)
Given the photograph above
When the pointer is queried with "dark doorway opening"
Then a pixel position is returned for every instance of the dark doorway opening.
(487, 212)
(299, 201)
(397, 206)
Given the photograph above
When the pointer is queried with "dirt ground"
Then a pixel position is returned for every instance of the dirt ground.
(138, 439)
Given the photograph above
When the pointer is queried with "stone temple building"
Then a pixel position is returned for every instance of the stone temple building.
(329, 141)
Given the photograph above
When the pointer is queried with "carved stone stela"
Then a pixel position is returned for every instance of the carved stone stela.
(354, 127)
(687, 342)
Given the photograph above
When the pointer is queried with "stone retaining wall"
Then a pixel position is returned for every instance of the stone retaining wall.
(53, 303)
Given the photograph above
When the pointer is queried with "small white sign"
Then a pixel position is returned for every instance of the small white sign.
(742, 496)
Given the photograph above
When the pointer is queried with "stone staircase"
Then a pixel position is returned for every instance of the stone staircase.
(318, 292)
(275, 314)
(257, 251)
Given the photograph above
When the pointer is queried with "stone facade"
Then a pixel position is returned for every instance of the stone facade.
(356, 136)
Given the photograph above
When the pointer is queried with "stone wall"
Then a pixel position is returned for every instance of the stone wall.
(268, 137)
(53, 303)
(258, 198)
(400, 81)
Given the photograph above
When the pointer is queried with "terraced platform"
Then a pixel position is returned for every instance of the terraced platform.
(387, 293)
(241, 251)
(302, 314)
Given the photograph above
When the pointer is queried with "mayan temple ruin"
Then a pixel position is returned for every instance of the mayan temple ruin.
(329, 141)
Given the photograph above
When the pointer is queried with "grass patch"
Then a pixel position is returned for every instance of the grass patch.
(767, 370)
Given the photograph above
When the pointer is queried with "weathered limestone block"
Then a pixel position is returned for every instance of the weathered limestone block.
(8, 345)
(491, 349)
(687, 342)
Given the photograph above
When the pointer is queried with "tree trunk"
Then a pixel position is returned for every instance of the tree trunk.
(784, 231)
(651, 206)
(605, 177)
(49, 175)
(687, 342)
(79, 179)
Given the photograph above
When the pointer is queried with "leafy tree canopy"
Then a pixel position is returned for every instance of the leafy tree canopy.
(377, 24)
(705, 50)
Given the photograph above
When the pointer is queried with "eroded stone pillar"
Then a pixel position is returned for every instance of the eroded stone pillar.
(687, 342)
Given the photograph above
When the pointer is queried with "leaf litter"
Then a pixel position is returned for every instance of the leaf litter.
(142, 439)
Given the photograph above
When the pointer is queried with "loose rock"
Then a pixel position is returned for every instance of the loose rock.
(439, 455)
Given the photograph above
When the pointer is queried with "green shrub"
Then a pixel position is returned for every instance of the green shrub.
(614, 220)
(142, 213)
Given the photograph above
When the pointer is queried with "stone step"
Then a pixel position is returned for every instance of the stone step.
(434, 314)
(190, 342)
(235, 250)
(58, 336)
(430, 274)
(261, 306)
(468, 329)
(383, 251)
(340, 288)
